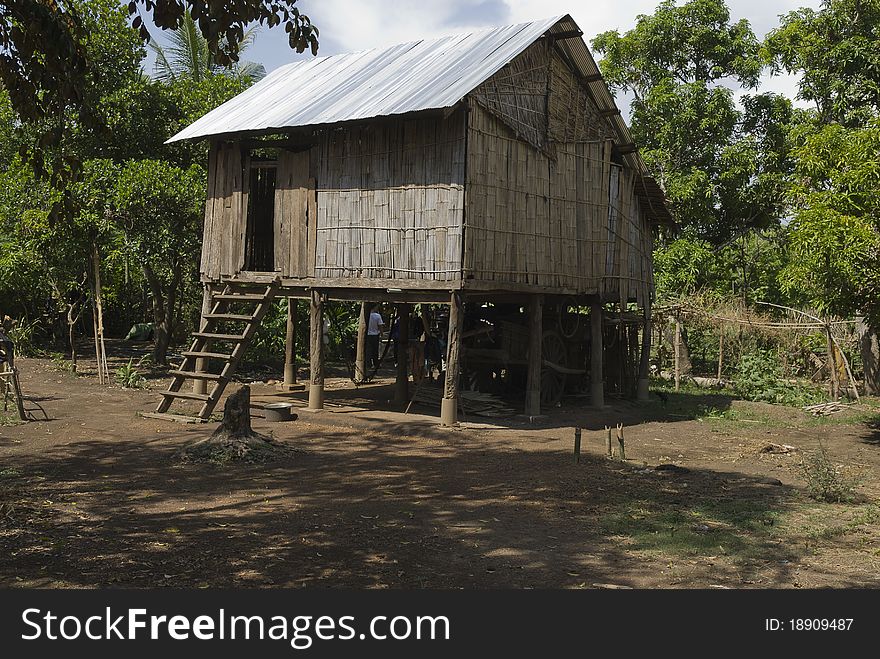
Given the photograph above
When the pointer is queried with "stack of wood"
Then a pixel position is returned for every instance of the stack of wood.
(471, 402)
(826, 409)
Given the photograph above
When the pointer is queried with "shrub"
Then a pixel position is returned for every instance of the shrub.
(759, 378)
(129, 377)
(827, 481)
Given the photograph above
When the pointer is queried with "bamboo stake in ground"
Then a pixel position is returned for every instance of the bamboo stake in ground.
(609, 451)
(103, 371)
(720, 351)
(620, 444)
(577, 445)
(677, 346)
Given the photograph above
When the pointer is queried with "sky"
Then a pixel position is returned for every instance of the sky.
(351, 25)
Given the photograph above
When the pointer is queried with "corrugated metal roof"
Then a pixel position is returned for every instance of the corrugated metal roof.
(414, 76)
(409, 77)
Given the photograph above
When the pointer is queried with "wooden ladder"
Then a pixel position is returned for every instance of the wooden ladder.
(9, 376)
(200, 354)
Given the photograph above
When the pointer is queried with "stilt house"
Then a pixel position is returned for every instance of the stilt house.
(490, 168)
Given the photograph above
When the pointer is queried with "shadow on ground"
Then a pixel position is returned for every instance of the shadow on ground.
(377, 512)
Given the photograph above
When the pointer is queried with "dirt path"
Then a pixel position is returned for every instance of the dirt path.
(94, 497)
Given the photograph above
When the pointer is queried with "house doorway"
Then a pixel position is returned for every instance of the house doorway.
(260, 239)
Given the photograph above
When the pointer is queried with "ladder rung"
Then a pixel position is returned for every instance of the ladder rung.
(206, 355)
(228, 316)
(196, 375)
(185, 394)
(218, 337)
(245, 297)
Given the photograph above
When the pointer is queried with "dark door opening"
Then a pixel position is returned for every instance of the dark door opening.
(260, 244)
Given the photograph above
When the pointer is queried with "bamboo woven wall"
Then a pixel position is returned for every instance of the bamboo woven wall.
(518, 94)
(573, 115)
(532, 218)
(391, 199)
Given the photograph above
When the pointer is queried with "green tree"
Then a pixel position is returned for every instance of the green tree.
(721, 167)
(46, 60)
(836, 53)
(159, 208)
(835, 238)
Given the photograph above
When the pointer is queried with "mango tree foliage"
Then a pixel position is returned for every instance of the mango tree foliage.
(835, 238)
(695, 41)
(159, 207)
(48, 56)
(720, 166)
(836, 53)
(745, 268)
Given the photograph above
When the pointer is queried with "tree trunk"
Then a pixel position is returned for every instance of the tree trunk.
(234, 439)
(163, 311)
(71, 334)
(870, 351)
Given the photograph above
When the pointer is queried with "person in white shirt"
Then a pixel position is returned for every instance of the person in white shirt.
(375, 325)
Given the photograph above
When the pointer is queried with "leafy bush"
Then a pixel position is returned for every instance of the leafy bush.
(129, 377)
(24, 336)
(827, 481)
(759, 378)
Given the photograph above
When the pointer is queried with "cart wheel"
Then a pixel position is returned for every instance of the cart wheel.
(552, 382)
(569, 318)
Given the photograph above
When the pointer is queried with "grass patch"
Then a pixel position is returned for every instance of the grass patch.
(7, 419)
(742, 529)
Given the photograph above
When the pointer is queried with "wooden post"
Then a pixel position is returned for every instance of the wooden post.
(316, 351)
(642, 389)
(449, 404)
(597, 388)
(401, 384)
(360, 361)
(620, 445)
(200, 386)
(832, 363)
(677, 347)
(536, 331)
(720, 351)
(609, 451)
(289, 381)
(577, 445)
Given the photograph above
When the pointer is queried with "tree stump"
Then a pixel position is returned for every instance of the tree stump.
(234, 439)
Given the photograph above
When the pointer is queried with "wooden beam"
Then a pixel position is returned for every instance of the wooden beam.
(401, 383)
(597, 388)
(316, 351)
(625, 149)
(642, 392)
(449, 404)
(290, 346)
(567, 34)
(536, 331)
(609, 112)
(360, 360)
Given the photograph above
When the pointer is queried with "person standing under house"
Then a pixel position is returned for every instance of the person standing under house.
(375, 325)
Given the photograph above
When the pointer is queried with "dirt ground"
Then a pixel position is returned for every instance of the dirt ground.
(372, 498)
